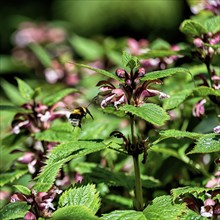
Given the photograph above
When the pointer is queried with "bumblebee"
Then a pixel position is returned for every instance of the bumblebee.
(77, 115)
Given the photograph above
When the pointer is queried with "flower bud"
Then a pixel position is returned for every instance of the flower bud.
(141, 72)
(198, 42)
(120, 73)
(30, 216)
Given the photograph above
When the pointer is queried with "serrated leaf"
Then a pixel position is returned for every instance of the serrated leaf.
(55, 97)
(191, 215)
(176, 99)
(208, 143)
(176, 193)
(26, 91)
(130, 61)
(10, 177)
(87, 48)
(149, 112)
(62, 154)
(164, 73)
(205, 91)
(74, 213)
(23, 189)
(41, 54)
(14, 211)
(103, 72)
(84, 195)
(193, 28)
(180, 134)
(166, 210)
(158, 53)
(213, 24)
(124, 214)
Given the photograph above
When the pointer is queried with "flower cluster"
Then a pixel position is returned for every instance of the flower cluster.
(142, 46)
(210, 5)
(37, 33)
(132, 91)
(37, 118)
(41, 203)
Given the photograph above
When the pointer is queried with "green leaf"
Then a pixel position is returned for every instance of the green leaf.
(124, 214)
(14, 211)
(205, 91)
(163, 208)
(158, 53)
(193, 28)
(59, 133)
(84, 195)
(212, 24)
(23, 189)
(130, 61)
(62, 154)
(149, 112)
(176, 99)
(10, 108)
(12, 93)
(87, 48)
(208, 143)
(191, 215)
(176, 193)
(55, 97)
(41, 54)
(180, 134)
(103, 72)
(77, 212)
(26, 91)
(10, 177)
(102, 175)
(160, 44)
(117, 199)
(164, 73)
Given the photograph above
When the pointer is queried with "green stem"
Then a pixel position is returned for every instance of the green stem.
(207, 63)
(138, 184)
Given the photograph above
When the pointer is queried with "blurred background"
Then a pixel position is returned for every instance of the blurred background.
(125, 18)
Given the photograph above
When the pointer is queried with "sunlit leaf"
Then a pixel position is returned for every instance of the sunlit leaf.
(164, 73)
(208, 143)
(124, 214)
(130, 61)
(62, 154)
(14, 210)
(213, 24)
(149, 112)
(23, 189)
(193, 28)
(26, 91)
(76, 212)
(166, 211)
(85, 195)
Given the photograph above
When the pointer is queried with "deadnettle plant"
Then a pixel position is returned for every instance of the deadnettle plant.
(131, 91)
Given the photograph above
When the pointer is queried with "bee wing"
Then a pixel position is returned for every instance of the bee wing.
(87, 110)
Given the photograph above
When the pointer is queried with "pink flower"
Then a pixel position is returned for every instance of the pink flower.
(199, 108)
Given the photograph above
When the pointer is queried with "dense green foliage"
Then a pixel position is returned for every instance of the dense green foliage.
(149, 143)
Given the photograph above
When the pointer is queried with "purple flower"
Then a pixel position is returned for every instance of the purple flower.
(199, 108)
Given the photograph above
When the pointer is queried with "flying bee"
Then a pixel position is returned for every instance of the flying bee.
(77, 115)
